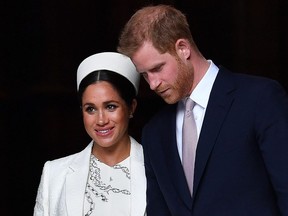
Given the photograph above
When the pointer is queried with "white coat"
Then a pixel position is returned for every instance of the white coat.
(63, 182)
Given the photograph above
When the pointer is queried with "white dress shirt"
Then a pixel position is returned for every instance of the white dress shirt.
(200, 96)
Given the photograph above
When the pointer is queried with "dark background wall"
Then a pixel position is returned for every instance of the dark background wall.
(42, 43)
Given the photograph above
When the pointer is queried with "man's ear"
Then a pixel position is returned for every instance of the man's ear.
(183, 48)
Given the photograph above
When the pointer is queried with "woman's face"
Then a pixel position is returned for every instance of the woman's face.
(106, 115)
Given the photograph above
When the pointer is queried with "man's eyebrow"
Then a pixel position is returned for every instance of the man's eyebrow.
(157, 66)
(153, 68)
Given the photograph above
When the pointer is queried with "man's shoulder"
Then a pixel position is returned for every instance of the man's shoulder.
(163, 116)
(245, 79)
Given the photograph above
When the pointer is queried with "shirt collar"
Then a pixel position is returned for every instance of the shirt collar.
(201, 93)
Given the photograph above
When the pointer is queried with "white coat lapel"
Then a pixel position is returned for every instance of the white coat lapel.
(76, 182)
(138, 180)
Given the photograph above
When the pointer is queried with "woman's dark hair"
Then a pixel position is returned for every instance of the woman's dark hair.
(124, 87)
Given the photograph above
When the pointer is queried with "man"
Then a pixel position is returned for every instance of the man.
(241, 162)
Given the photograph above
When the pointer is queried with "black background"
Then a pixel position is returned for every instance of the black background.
(42, 43)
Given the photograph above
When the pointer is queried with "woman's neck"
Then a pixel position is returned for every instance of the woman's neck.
(112, 155)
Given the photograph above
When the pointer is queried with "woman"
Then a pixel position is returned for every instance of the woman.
(107, 177)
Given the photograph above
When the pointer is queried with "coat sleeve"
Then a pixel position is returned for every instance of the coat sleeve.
(156, 204)
(41, 205)
(272, 135)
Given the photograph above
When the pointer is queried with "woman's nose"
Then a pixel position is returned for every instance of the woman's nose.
(101, 119)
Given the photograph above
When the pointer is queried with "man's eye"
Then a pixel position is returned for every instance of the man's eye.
(158, 68)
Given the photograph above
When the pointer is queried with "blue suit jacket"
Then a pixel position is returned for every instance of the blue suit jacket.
(241, 166)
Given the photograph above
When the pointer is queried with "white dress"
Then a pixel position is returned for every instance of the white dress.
(108, 189)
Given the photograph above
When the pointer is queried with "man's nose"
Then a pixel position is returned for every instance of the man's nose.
(153, 81)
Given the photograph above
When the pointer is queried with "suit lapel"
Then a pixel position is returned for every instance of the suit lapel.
(138, 179)
(220, 101)
(172, 159)
(76, 182)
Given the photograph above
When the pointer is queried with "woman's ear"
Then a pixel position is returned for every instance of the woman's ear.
(133, 108)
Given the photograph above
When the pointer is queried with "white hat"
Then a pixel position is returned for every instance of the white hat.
(111, 61)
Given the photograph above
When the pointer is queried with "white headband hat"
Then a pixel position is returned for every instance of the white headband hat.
(111, 61)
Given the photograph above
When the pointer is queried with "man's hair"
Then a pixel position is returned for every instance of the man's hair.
(162, 25)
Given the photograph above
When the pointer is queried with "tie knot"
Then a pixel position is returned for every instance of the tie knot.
(189, 104)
